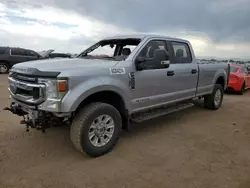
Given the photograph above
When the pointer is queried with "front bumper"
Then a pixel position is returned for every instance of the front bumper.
(35, 118)
(32, 95)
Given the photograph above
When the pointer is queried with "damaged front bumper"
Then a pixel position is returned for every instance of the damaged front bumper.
(38, 119)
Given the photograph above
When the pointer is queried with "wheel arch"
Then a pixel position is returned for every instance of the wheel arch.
(109, 96)
(221, 81)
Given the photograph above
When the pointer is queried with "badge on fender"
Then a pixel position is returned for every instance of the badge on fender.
(117, 71)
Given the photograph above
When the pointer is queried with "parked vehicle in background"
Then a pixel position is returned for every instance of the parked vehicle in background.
(51, 54)
(59, 55)
(239, 79)
(10, 56)
(116, 81)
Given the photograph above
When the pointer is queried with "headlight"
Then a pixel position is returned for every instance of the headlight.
(55, 89)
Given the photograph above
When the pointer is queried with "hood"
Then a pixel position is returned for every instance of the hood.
(45, 54)
(65, 64)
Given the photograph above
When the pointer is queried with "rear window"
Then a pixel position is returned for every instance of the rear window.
(234, 69)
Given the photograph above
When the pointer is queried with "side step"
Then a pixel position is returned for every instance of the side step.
(160, 112)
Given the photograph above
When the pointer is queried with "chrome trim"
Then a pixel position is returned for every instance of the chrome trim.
(29, 87)
(24, 106)
(23, 78)
(25, 84)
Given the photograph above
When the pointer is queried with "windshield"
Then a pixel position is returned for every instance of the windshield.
(234, 69)
(114, 49)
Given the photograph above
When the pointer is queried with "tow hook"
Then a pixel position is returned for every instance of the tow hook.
(7, 109)
(32, 123)
(15, 109)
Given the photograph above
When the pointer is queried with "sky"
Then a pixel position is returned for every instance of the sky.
(215, 28)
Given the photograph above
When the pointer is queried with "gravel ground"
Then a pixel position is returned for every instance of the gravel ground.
(189, 149)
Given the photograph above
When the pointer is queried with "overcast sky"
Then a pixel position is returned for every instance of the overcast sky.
(218, 28)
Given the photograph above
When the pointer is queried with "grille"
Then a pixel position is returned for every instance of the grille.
(26, 89)
(22, 77)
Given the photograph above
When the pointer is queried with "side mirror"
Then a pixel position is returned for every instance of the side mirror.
(162, 58)
(139, 62)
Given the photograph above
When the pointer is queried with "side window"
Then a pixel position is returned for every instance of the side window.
(18, 51)
(2, 50)
(31, 53)
(149, 51)
(15, 51)
(182, 53)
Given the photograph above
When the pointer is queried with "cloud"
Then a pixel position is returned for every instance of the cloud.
(50, 27)
(219, 19)
(215, 27)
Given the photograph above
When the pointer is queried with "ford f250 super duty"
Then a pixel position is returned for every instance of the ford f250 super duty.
(115, 82)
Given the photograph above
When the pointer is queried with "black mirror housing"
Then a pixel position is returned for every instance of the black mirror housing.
(140, 59)
(162, 57)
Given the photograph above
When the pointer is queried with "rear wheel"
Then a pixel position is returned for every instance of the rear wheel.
(96, 129)
(243, 88)
(4, 67)
(214, 100)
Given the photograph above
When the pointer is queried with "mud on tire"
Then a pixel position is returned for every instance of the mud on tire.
(82, 124)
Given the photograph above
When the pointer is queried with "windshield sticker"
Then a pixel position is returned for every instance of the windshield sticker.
(117, 71)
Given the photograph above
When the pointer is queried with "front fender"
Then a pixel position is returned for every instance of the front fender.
(80, 92)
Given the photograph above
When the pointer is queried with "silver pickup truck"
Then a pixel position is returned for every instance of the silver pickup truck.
(116, 81)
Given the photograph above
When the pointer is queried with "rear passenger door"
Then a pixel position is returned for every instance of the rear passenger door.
(18, 55)
(184, 81)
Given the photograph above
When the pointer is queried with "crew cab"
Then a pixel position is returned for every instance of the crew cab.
(116, 82)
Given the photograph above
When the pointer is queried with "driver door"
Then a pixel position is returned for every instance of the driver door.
(150, 87)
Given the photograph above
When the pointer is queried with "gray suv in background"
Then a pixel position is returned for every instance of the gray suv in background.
(10, 56)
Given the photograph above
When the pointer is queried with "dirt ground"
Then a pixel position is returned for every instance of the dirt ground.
(190, 149)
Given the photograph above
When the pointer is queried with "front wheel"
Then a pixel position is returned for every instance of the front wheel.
(214, 100)
(4, 68)
(96, 129)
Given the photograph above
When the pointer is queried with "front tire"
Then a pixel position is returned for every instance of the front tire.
(214, 100)
(96, 129)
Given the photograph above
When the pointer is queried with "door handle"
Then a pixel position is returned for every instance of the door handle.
(170, 73)
(194, 71)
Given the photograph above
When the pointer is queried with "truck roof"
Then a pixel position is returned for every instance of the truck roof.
(143, 36)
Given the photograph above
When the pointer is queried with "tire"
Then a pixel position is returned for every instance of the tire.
(210, 100)
(243, 89)
(4, 67)
(81, 129)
